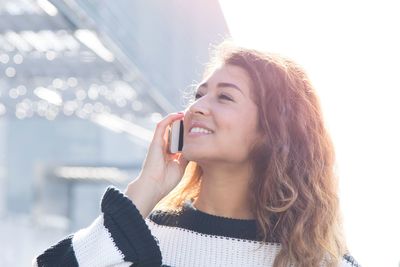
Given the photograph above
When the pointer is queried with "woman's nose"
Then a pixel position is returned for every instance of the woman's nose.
(199, 107)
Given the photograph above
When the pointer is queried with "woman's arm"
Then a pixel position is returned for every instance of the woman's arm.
(119, 235)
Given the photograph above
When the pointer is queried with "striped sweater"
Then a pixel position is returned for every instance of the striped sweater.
(121, 237)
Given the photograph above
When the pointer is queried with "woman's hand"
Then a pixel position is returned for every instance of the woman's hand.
(161, 171)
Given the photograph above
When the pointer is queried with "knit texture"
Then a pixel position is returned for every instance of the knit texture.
(190, 237)
(61, 254)
(128, 229)
(195, 220)
(96, 240)
(185, 238)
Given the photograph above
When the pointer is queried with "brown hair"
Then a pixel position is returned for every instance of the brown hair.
(295, 188)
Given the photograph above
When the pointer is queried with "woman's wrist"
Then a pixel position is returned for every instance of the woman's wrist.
(144, 194)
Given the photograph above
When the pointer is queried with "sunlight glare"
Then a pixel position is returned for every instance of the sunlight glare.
(351, 51)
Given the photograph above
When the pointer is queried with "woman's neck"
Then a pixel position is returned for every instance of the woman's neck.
(224, 191)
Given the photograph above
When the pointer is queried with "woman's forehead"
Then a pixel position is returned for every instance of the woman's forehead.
(229, 74)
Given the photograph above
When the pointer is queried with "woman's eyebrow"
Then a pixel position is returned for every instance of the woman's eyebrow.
(223, 85)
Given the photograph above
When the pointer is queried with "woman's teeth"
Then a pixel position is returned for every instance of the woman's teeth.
(200, 130)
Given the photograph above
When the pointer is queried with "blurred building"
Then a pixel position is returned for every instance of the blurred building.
(82, 84)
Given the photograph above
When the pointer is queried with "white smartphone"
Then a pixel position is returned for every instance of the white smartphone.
(175, 137)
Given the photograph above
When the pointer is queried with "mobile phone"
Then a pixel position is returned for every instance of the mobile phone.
(175, 137)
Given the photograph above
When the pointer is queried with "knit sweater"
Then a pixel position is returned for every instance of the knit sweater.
(121, 237)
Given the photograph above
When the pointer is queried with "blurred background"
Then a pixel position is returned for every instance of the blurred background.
(83, 83)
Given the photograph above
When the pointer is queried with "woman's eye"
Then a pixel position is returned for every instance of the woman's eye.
(222, 96)
(225, 97)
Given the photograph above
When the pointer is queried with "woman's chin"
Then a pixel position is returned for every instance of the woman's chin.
(195, 155)
(188, 154)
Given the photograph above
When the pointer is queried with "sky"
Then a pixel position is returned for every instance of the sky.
(351, 52)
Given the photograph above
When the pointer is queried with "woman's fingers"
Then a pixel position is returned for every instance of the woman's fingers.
(159, 166)
(160, 132)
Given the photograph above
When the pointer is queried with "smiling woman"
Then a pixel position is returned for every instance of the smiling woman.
(223, 105)
(269, 149)
(253, 186)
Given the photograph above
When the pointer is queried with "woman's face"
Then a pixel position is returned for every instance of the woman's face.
(221, 124)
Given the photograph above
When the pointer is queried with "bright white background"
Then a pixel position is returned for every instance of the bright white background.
(351, 51)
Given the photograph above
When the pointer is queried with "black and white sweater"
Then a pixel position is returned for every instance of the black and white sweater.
(121, 237)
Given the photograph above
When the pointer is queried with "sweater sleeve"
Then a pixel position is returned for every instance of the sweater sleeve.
(349, 261)
(118, 237)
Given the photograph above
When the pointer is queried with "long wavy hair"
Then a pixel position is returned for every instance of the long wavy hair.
(295, 187)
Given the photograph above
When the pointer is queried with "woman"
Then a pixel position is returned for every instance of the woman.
(253, 186)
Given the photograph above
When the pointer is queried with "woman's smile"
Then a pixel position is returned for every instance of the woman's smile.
(198, 134)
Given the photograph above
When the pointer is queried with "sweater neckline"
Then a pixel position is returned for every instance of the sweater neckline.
(199, 221)
(190, 218)
(189, 206)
